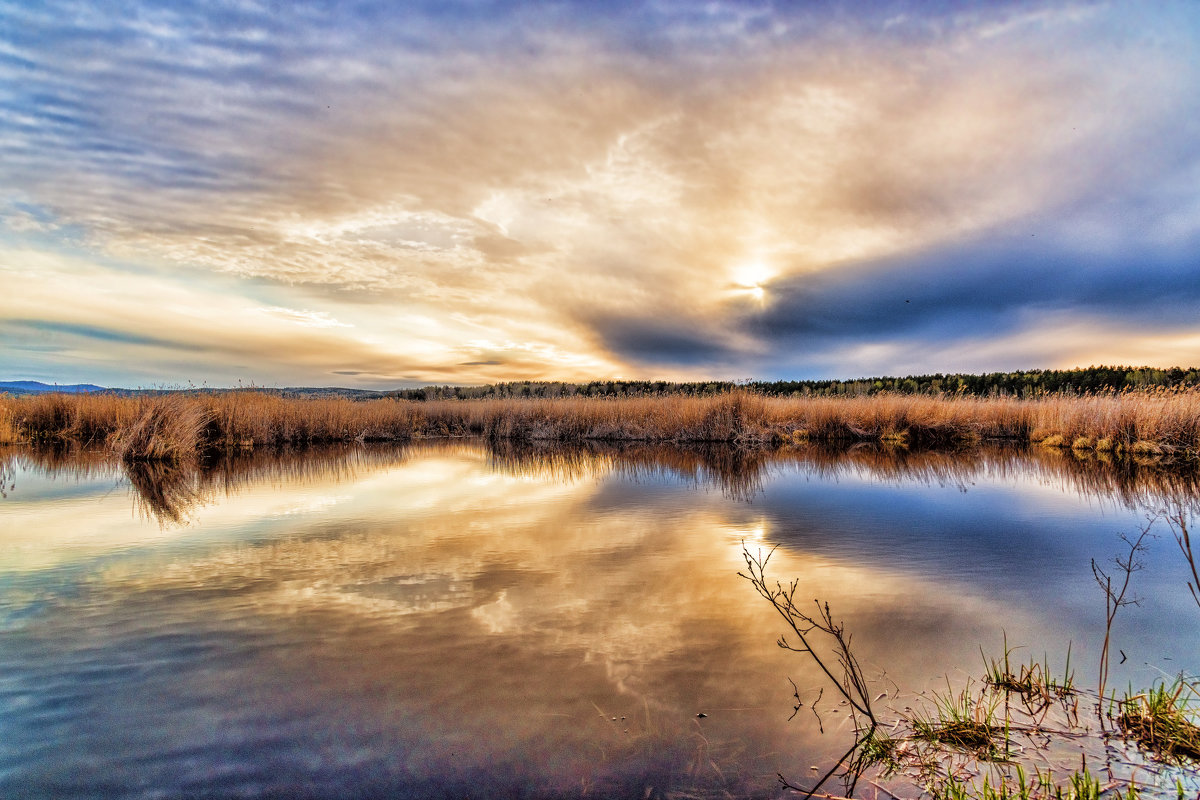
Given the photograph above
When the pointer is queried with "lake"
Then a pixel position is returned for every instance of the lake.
(449, 619)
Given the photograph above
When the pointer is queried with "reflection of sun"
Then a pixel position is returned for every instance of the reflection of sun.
(751, 537)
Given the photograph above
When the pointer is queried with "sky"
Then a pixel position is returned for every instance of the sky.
(380, 194)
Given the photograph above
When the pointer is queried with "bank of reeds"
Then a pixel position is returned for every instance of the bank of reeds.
(169, 426)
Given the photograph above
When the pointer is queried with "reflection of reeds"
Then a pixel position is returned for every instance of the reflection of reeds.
(163, 490)
(1133, 483)
(1141, 423)
(167, 490)
(74, 463)
(738, 472)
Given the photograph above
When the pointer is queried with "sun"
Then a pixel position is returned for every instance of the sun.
(749, 276)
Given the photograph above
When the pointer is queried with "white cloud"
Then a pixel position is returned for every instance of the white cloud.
(303, 318)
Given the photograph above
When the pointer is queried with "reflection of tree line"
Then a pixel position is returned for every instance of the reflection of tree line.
(167, 490)
(740, 472)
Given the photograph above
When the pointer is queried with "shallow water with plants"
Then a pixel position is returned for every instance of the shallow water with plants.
(458, 619)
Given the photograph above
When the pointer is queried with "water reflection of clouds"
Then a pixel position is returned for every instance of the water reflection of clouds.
(470, 610)
(312, 506)
(38, 535)
(527, 553)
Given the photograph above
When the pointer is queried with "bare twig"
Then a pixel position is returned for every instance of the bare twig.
(852, 775)
(1177, 520)
(851, 685)
(799, 702)
(1114, 599)
(808, 628)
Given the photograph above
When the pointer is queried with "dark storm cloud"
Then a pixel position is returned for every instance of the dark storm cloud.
(983, 289)
(662, 340)
(978, 290)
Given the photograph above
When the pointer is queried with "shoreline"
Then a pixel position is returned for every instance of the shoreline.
(177, 426)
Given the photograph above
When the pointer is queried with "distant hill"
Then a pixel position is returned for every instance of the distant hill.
(36, 387)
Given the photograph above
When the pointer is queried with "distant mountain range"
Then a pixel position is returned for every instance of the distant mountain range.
(35, 387)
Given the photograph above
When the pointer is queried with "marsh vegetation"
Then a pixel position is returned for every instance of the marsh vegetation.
(177, 425)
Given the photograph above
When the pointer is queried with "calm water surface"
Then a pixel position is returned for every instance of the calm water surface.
(447, 620)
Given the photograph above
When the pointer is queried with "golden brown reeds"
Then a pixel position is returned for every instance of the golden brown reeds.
(8, 426)
(1148, 423)
(163, 428)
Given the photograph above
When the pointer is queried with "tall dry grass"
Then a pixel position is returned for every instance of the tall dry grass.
(172, 426)
(8, 426)
(166, 428)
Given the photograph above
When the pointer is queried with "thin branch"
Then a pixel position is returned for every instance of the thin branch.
(1177, 520)
(1115, 599)
(852, 685)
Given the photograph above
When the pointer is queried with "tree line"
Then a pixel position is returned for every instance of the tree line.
(1021, 383)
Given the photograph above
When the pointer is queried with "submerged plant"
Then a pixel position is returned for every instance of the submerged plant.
(966, 720)
(1031, 681)
(1080, 785)
(1163, 719)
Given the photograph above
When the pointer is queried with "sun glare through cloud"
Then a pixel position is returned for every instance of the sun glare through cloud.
(749, 277)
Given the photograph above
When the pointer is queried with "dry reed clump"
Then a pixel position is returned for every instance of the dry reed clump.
(1146, 424)
(165, 428)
